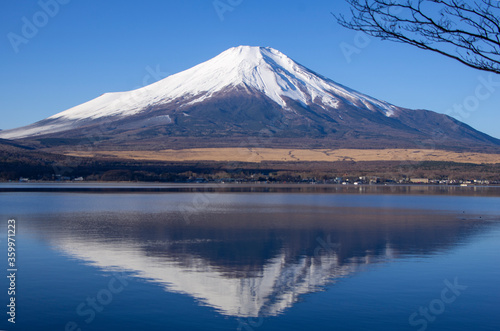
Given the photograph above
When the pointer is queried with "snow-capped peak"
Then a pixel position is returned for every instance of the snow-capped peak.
(261, 68)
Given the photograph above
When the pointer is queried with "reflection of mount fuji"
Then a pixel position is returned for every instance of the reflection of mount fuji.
(252, 264)
(268, 292)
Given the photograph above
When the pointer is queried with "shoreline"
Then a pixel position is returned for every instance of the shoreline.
(148, 187)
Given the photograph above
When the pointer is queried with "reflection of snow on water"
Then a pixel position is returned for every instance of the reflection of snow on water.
(276, 288)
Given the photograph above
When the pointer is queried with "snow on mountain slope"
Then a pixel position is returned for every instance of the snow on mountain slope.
(265, 70)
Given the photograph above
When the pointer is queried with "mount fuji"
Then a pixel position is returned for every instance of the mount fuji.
(244, 96)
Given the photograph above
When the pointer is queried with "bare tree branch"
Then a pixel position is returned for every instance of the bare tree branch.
(466, 31)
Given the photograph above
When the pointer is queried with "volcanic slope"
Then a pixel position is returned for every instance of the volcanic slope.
(250, 97)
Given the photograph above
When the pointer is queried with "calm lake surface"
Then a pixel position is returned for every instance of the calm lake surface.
(146, 257)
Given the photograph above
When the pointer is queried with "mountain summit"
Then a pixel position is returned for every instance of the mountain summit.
(249, 92)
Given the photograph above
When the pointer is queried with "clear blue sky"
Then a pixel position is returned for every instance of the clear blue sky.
(85, 48)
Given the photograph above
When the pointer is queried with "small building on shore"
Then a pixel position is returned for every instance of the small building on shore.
(419, 180)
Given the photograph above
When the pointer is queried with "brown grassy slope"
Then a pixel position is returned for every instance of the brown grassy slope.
(259, 155)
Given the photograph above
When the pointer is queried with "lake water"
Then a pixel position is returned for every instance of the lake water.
(188, 258)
